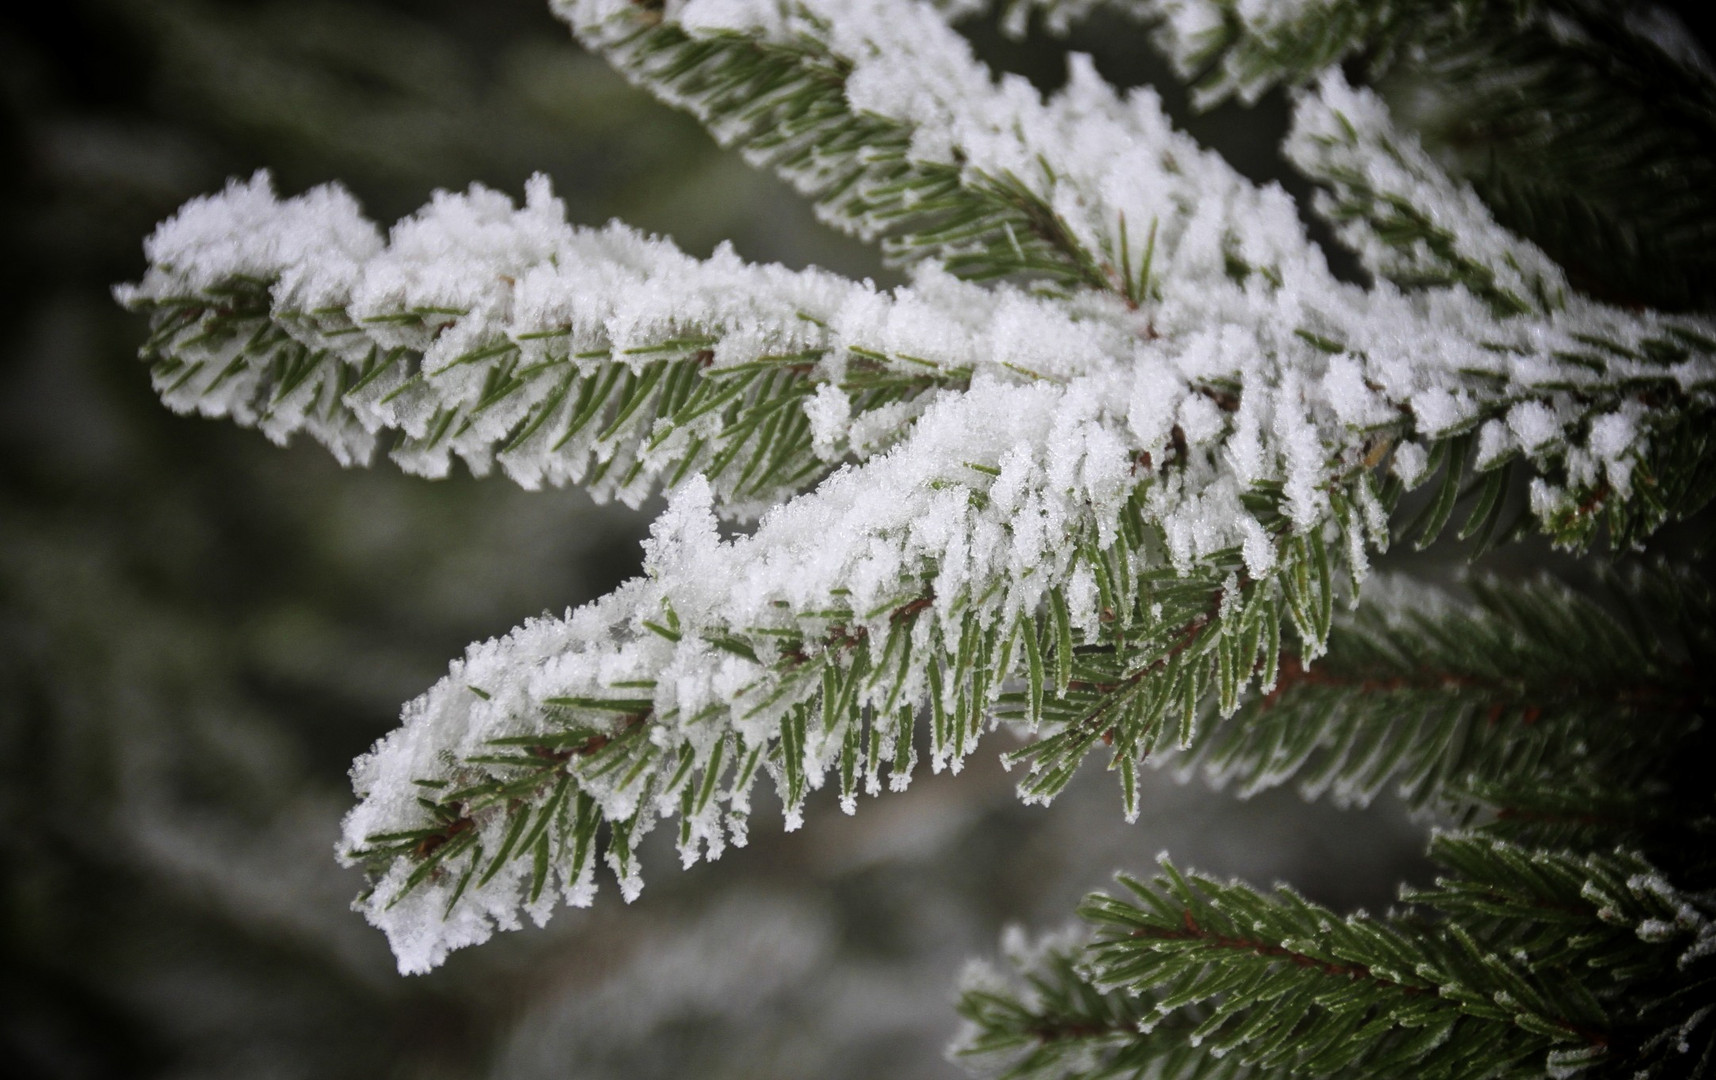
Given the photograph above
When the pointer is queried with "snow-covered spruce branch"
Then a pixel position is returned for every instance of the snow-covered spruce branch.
(1439, 700)
(881, 114)
(810, 645)
(1156, 465)
(783, 83)
(1510, 966)
(598, 357)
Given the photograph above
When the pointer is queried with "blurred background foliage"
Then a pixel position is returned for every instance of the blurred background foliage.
(199, 630)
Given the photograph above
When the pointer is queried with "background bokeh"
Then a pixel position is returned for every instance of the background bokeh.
(199, 630)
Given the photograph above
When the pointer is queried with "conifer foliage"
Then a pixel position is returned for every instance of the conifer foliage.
(1108, 471)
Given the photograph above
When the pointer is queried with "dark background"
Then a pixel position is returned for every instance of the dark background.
(199, 630)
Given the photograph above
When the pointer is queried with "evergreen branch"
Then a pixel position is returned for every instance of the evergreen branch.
(1592, 135)
(780, 91)
(1227, 49)
(878, 111)
(1048, 1022)
(1103, 502)
(1632, 388)
(1293, 987)
(1441, 700)
(671, 694)
(575, 356)
(1520, 961)
(1409, 223)
(1575, 122)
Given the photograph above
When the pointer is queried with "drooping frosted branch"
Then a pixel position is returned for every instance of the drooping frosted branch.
(903, 579)
(1223, 278)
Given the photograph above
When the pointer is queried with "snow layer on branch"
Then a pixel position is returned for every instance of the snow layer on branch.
(246, 232)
